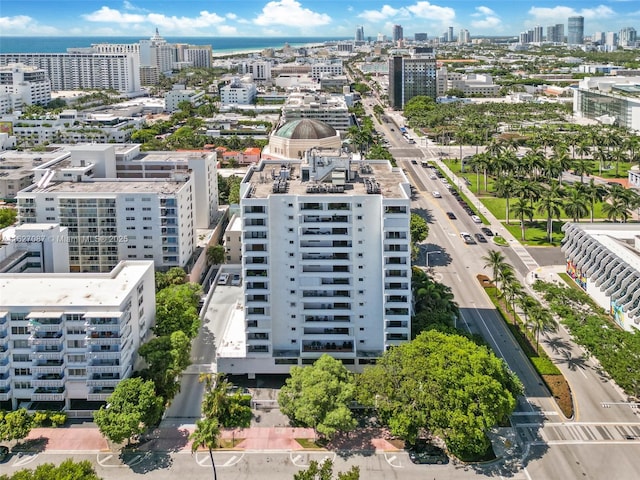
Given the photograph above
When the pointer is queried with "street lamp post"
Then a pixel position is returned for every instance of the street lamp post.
(429, 253)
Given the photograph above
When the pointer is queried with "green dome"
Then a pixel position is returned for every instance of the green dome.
(305, 129)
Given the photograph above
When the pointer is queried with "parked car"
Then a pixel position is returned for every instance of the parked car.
(436, 194)
(223, 279)
(476, 219)
(423, 452)
(451, 215)
(4, 453)
(236, 279)
(487, 231)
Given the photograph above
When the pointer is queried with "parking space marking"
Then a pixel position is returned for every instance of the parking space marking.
(391, 460)
(23, 459)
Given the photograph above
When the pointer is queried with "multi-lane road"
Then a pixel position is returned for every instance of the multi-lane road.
(605, 431)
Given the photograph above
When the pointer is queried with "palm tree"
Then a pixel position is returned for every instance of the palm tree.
(512, 290)
(496, 261)
(562, 161)
(540, 320)
(550, 204)
(594, 192)
(481, 163)
(616, 209)
(523, 209)
(505, 188)
(529, 190)
(582, 167)
(206, 434)
(575, 204)
(618, 154)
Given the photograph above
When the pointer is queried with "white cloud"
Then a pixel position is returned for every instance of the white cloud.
(482, 10)
(486, 19)
(131, 7)
(23, 24)
(107, 15)
(428, 11)
(551, 15)
(204, 22)
(291, 13)
(384, 13)
(231, 16)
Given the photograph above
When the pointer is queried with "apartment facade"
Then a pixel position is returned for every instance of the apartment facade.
(329, 109)
(21, 85)
(326, 263)
(67, 338)
(78, 71)
(604, 260)
(410, 77)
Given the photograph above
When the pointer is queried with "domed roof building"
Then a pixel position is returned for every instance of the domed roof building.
(294, 138)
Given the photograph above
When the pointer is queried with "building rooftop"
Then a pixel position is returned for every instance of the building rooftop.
(113, 186)
(380, 172)
(618, 238)
(15, 165)
(67, 290)
(305, 128)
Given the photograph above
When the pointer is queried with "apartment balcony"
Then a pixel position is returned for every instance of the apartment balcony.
(327, 318)
(49, 339)
(313, 245)
(51, 367)
(48, 395)
(396, 324)
(5, 383)
(326, 294)
(333, 219)
(396, 286)
(104, 355)
(258, 348)
(49, 380)
(105, 327)
(5, 396)
(286, 353)
(257, 287)
(103, 382)
(47, 355)
(104, 338)
(337, 331)
(36, 326)
(335, 281)
(91, 369)
(316, 346)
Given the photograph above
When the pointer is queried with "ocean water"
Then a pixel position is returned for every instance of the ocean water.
(219, 44)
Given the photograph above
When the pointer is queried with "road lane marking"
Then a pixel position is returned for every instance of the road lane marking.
(24, 460)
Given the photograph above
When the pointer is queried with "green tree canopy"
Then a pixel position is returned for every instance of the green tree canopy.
(324, 471)
(173, 276)
(444, 385)
(319, 396)
(7, 216)
(67, 470)
(131, 409)
(215, 254)
(419, 228)
(177, 309)
(15, 425)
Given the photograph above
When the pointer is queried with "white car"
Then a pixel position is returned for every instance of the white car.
(236, 279)
(433, 176)
(223, 279)
(476, 219)
(436, 194)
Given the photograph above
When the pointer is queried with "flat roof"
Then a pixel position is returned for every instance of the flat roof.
(389, 178)
(15, 165)
(64, 290)
(615, 238)
(146, 185)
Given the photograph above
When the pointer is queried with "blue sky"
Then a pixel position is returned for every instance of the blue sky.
(303, 17)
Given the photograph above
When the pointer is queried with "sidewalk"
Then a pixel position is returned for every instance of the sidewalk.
(80, 439)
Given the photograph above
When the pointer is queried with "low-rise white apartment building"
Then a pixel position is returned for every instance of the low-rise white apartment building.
(34, 248)
(604, 260)
(326, 263)
(180, 94)
(239, 92)
(68, 338)
(318, 70)
(330, 109)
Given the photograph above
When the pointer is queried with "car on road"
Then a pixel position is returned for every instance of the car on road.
(393, 130)
(436, 194)
(223, 279)
(433, 176)
(425, 453)
(476, 219)
(236, 279)
(414, 162)
(487, 231)
(451, 215)
(468, 239)
(480, 238)
(4, 453)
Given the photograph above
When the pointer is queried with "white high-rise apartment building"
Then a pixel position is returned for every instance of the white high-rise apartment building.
(238, 92)
(77, 71)
(323, 69)
(67, 338)
(24, 85)
(326, 263)
(260, 70)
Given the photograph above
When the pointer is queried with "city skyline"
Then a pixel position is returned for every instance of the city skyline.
(303, 17)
